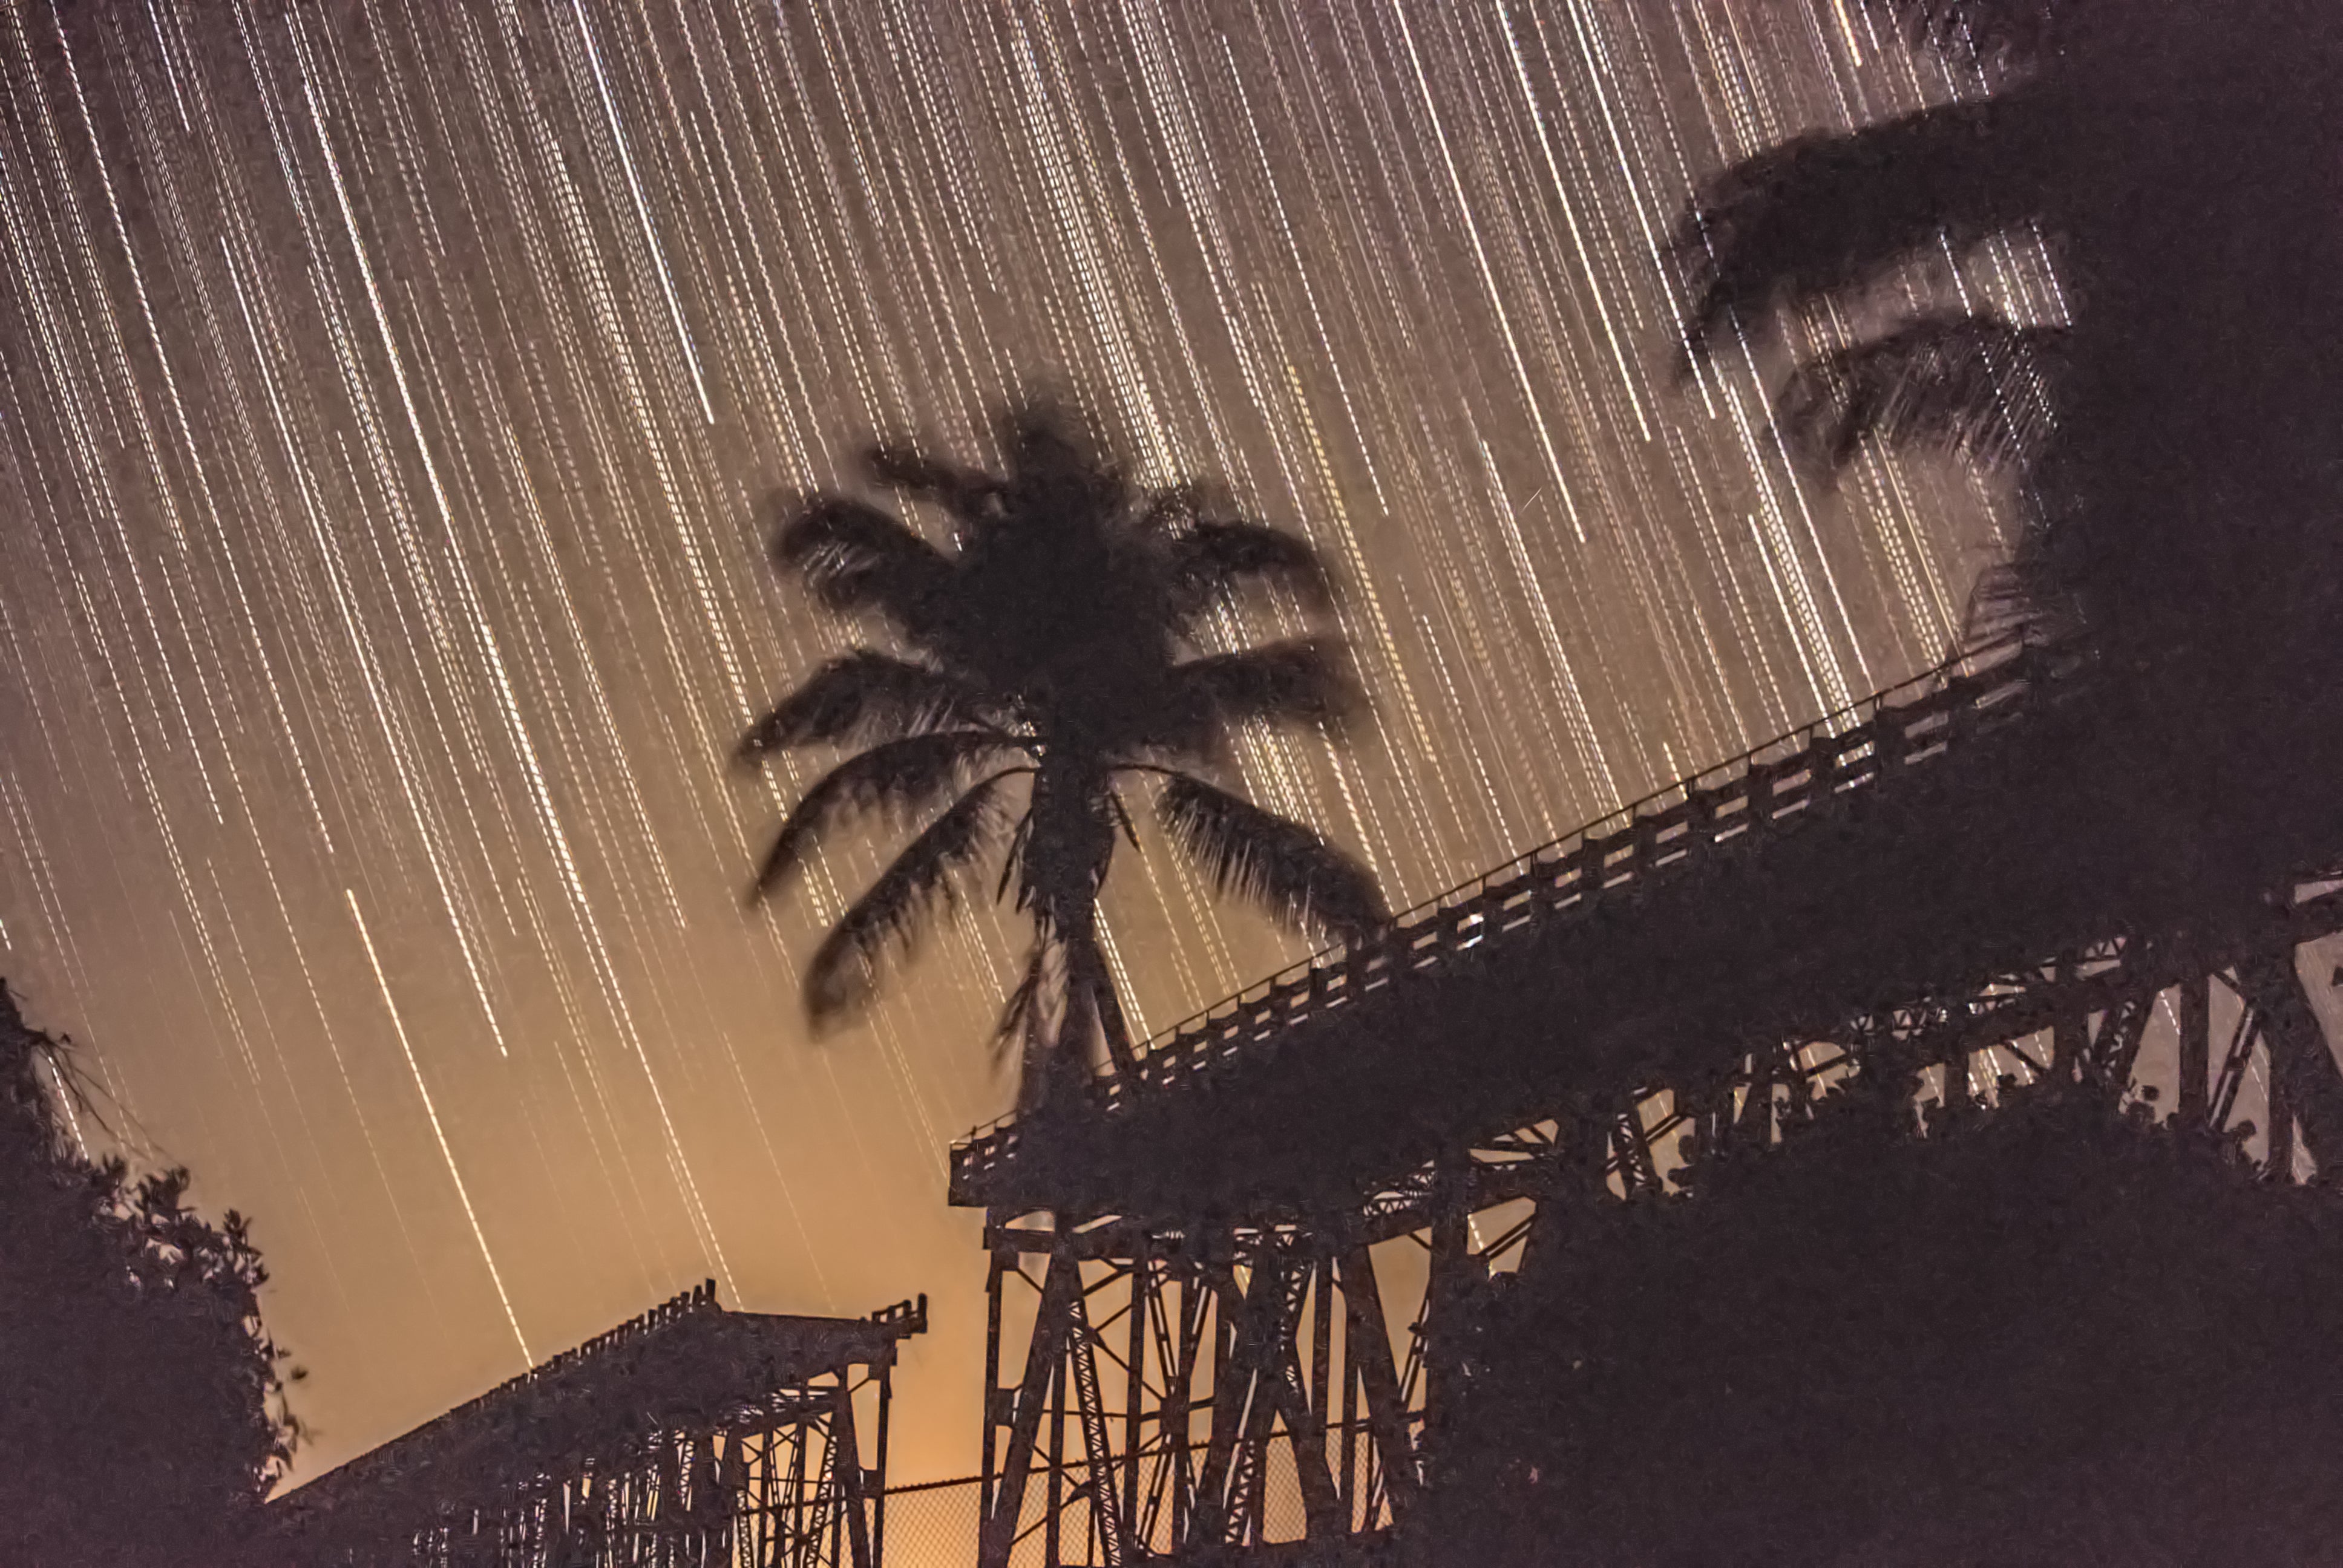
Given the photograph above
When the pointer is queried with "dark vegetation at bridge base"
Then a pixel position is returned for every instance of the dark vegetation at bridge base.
(140, 1414)
(2042, 1334)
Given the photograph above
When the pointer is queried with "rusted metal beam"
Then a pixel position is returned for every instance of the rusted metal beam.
(2195, 1050)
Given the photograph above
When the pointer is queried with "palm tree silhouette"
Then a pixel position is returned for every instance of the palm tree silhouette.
(1051, 655)
(2178, 464)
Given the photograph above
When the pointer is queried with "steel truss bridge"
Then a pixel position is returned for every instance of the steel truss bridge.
(687, 1437)
(1227, 1295)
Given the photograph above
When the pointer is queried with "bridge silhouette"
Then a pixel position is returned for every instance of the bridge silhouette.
(690, 1433)
(1194, 1340)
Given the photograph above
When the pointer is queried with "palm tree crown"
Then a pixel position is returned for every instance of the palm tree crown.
(2177, 438)
(1051, 655)
(2171, 436)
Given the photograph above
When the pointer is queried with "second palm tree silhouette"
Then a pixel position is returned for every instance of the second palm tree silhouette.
(1052, 652)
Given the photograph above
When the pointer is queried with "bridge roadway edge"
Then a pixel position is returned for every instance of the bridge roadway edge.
(2076, 814)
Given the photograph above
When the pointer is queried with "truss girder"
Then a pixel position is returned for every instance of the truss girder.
(1253, 1395)
(787, 1490)
(684, 1439)
(1273, 1329)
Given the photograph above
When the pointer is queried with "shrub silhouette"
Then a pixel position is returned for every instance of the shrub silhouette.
(141, 1413)
(2042, 1334)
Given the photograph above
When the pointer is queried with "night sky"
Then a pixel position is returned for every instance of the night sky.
(391, 395)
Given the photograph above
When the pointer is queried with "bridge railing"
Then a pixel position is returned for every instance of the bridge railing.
(1912, 724)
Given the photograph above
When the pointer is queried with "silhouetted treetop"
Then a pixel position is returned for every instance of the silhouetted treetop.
(144, 1420)
(2042, 1334)
(2179, 461)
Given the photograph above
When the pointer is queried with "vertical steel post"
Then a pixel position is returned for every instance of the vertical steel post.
(1350, 1487)
(846, 1460)
(1180, 1385)
(986, 1478)
(1054, 1497)
(1141, 1276)
(1386, 1404)
(2195, 1050)
(878, 1499)
(1322, 1345)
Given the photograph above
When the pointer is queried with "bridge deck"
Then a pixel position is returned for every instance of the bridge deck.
(689, 1363)
(1986, 815)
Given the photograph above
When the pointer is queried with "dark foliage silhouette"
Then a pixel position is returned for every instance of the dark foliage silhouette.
(1051, 655)
(2179, 460)
(2043, 1335)
(2043, 1332)
(143, 1421)
(2176, 441)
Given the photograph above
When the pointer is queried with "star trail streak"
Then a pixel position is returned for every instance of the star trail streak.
(391, 393)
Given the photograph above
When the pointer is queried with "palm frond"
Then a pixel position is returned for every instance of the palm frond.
(1276, 862)
(1172, 504)
(852, 555)
(863, 695)
(1122, 817)
(1300, 680)
(1831, 212)
(2019, 31)
(906, 776)
(1022, 1015)
(1212, 559)
(2041, 589)
(2005, 599)
(1043, 435)
(971, 495)
(1305, 680)
(1012, 865)
(1973, 384)
(892, 909)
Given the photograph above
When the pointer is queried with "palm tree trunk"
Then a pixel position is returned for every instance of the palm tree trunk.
(1071, 840)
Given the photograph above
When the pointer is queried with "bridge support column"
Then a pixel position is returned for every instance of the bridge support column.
(1233, 1381)
(2306, 1085)
(1195, 1385)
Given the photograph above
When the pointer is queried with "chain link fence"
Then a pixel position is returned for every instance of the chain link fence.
(932, 1524)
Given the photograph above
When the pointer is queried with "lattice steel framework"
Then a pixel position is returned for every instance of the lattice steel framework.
(685, 1438)
(1200, 1367)
(1195, 1383)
